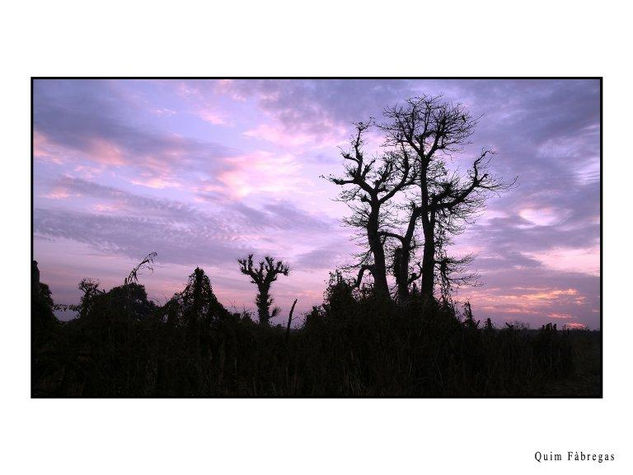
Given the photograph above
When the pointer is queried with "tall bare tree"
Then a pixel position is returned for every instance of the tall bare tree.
(263, 276)
(368, 186)
(429, 131)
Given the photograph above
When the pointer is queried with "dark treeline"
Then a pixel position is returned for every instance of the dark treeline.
(124, 345)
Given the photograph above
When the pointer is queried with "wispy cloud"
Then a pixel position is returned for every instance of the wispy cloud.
(203, 171)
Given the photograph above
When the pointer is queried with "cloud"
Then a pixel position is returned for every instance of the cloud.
(235, 164)
(130, 224)
(176, 241)
(583, 260)
(540, 302)
(560, 316)
(321, 109)
(260, 172)
(327, 257)
(279, 135)
(575, 325)
(543, 216)
(212, 117)
(91, 121)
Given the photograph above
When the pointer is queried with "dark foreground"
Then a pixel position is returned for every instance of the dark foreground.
(123, 345)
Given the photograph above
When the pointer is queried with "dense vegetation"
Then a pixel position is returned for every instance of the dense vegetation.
(123, 345)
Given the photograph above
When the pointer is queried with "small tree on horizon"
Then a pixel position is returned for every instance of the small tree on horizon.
(198, 300)
(263, 275)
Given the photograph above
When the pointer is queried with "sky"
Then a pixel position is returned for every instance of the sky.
(204, 172)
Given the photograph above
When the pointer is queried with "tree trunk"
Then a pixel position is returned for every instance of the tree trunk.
(402, 259)
(263, 304)
(379, 271)
(428, 227)
(428, 262)
(401, 272)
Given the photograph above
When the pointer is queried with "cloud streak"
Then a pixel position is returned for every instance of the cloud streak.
(205, 171)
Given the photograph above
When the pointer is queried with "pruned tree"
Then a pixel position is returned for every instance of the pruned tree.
(428, 131)
(368, 186)
(263, 275)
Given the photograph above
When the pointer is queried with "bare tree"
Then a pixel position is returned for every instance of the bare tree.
(147, 262)
(429, 131)
(368, 186)
(263, 276)
(451, 271)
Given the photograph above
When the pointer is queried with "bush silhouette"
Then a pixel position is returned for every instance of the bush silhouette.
(354, 345)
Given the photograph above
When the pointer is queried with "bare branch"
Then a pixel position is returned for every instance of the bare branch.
(147, 262)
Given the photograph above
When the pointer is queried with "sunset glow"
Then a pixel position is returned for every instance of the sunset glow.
(205, 172)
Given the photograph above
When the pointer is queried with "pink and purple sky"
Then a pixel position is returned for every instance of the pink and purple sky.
(206, 171)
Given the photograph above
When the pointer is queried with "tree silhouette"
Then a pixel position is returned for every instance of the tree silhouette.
(430, 131)
(198, 301)
(410, 185)
(263, 276)
(90, 289)
(196, 306)
(42, 318)
(374, 183)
